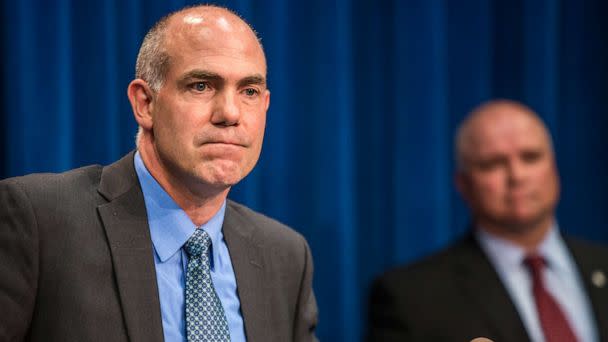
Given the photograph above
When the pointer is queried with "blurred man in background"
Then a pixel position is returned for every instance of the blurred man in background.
(149, 248)
(514, 277)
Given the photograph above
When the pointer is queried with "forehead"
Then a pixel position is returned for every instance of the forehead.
(213, 40)
(506, 130)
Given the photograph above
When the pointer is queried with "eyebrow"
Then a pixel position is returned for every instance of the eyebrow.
(202, 74)
(252, 80)
(255, 79)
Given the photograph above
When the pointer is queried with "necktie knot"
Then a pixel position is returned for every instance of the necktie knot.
(198, 243)
(535, 263)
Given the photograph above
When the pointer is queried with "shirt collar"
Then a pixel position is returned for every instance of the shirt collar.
(502, 253)
(170, 226)
(508, 255)
(555, 252)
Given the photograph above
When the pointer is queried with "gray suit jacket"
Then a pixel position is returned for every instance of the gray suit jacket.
(456, 295)
(76, 263)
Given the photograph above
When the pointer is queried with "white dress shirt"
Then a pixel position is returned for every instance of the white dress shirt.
(561, 279)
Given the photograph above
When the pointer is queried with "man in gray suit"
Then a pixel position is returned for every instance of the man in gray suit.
(149, 248)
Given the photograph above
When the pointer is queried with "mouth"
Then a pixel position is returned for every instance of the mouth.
(520, 197)
(224, 143)
(222, 149)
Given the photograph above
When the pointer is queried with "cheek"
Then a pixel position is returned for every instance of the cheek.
(256, 146)
(172, 134)
(547, 181)
(178, 126)
(256, 125)
(255, 131)
(491, 187)
(259, 133)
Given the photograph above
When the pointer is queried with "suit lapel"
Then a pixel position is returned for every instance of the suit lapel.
(593, 267)
(488, 295)
(246, 254)
(126, 225)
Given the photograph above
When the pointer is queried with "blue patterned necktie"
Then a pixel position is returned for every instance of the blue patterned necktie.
(205, 317)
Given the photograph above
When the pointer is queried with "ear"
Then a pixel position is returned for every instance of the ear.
(142, 101)
(267, 100)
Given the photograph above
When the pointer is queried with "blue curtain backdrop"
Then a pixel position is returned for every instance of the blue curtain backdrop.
(365, 99)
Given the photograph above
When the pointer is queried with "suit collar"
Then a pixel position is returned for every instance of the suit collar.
(480, 282)
(118, 178)
(474, 269)
(593, 268)
(243, 238)
(126, 225)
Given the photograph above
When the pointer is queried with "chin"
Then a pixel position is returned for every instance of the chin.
(525, 222)
(222, 182)
(221, 173)
(219, 179)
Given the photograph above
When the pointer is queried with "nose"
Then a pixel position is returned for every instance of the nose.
(226, 111)
(517, 171)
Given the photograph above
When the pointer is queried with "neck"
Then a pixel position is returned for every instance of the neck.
(200, 202)
(528, 237)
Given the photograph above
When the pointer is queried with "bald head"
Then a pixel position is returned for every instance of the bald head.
(200, 101)
(191, 26)
(487, 118)
(507, 172)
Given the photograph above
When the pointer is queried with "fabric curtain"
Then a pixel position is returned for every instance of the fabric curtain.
(366, 96)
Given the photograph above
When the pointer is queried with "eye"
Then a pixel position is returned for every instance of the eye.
(488, 165)
(199, 86)
(531, 156)
(251, 92)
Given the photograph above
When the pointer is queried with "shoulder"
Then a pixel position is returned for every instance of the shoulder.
(435, 268)
(589, 256)
(37, 203)
(418, 296)
(585, 246)
(53, 186)
(84, 176)
(413, 298)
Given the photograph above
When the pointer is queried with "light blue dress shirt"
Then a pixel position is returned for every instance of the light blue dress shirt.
(170, 228)
(561, 279)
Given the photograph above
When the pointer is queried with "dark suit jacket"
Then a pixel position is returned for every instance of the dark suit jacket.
(456, 296)
(76, 263)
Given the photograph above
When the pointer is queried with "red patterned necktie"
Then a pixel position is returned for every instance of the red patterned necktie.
(552, 320)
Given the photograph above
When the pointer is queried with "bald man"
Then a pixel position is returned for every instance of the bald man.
(514, 277)
(149, 248)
